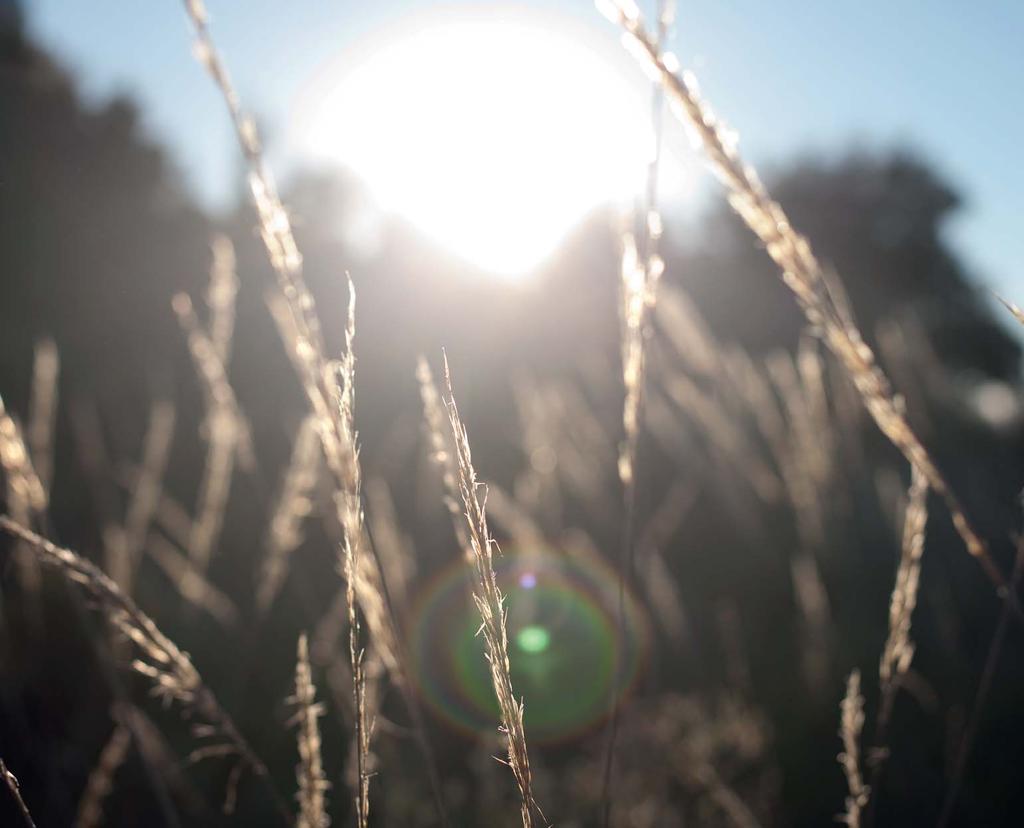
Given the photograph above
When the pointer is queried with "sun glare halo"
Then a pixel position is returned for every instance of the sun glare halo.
(493, 136)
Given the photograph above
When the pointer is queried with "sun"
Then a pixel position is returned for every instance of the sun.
(493, 135)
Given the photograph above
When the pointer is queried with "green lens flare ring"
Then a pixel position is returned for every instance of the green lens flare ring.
(533, 639)
(567, 652)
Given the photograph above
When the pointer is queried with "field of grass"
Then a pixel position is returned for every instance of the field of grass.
(557, 616)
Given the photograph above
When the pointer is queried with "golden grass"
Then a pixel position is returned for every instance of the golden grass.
(898, 651)
(490, 603)
(170, 671)
(293, 506)
(25, 490)
(190, 582)
(817, 291)
(224, 428)
(441, 452)
(851, 723)
(771, 423)
(26, 495)
(43, 410)
(220, 297)
(101, 777)
(313, 784)
(329, 384)
(148, 488)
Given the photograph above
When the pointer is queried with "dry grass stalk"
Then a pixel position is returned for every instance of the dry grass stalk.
(330, 390)
(805, 451)
(11, 781)
(115, 557)
(101, 777)
(372, 595)
(222, 408)
(26, 495)
(724, 431)
(328, 385)
(43, 410)
(537, 486)
(515, 519)
(190, 582)
(313, 784)
(373, 601)
(328, 653)
(173, 676)
(641, 271)
(898, 652)
(694, 766)
(220, 296)
(642, 268)
(662, 589)
(683, 326)
(148, 487)
(95, 462)
(24, 487)
(899, 648)
(491, 605)
(570, 451)
(348, 499)
(710, 386)
(325, 651)
(816, 291)
(803, 455)
(293, 505)
(786, 401)
(361, 748)
(851, 722)
(1018, 314)
(274, 224)
(701, 749)
(169, 514)
(397, 559)
(224, 428)
(440, 451)
(755, 391)
(639, 277)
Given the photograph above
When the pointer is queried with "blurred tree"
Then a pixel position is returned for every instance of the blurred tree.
(879, 219)
(12, 20)
(96, 230)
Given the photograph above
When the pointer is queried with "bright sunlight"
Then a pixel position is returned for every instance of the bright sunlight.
(493, 136)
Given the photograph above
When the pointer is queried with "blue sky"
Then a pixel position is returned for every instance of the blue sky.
(943, 77)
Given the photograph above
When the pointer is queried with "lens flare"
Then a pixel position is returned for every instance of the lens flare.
(533, 639)
(494, 133)
(567, 653)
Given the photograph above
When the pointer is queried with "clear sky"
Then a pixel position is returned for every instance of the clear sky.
(939, 75)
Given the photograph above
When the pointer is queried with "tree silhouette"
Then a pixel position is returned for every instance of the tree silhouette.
(96, 231)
